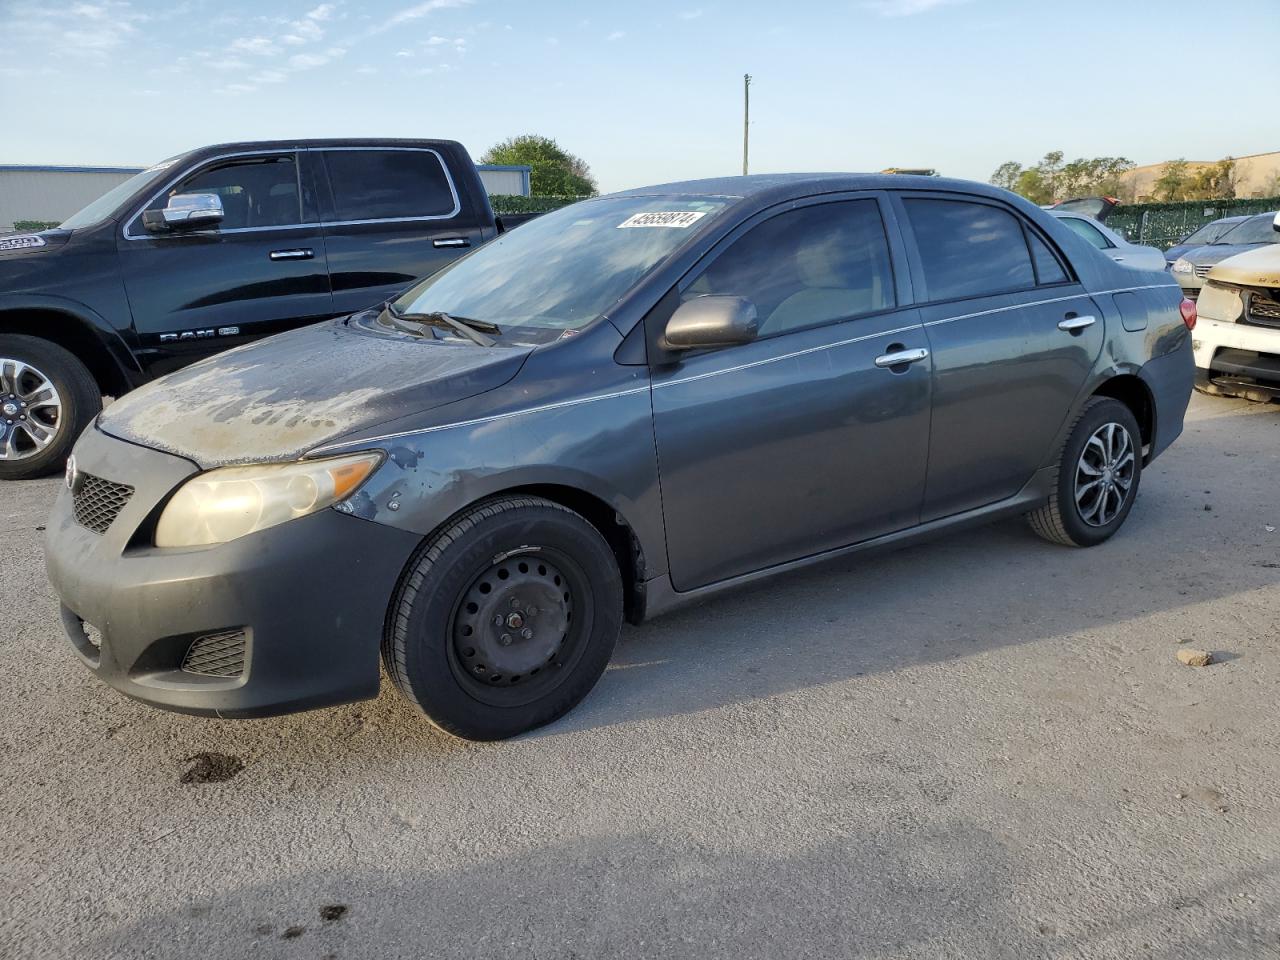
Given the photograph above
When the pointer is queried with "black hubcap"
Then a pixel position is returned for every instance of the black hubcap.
(512, 623)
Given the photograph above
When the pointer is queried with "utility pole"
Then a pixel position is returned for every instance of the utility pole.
(746, 118)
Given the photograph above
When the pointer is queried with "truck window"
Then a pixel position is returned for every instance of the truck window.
(255, 191)
(388, 184)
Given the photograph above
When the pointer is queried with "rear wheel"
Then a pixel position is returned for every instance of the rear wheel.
(47, 397)
(1097, 479)
(505, 620)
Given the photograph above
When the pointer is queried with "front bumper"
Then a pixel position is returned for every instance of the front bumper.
(300, 606)
(1237, 357)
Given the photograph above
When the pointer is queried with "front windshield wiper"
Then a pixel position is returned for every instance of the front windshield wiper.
(473, 330)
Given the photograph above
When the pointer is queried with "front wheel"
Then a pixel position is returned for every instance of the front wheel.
(47, 398)
(505, 620)
(1097, 477)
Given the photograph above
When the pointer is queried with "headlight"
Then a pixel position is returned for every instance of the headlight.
(231, 502)
(1183, 265)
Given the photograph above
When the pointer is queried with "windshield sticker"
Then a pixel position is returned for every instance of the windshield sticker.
(681, 219)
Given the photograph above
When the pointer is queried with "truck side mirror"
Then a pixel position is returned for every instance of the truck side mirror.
(185, 211)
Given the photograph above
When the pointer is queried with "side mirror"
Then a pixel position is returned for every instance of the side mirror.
(710, 322)
(185, 211)
(1275, 224)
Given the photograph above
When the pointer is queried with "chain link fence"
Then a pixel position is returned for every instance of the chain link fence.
(1165, 224)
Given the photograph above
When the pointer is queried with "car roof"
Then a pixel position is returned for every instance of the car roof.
(246, 145)
(775, 187)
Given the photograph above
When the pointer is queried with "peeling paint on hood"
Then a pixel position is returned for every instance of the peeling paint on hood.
(281, 397)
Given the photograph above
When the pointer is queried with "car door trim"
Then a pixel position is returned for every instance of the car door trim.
(1038, 303)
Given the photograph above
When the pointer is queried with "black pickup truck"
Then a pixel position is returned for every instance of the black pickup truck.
(211, 249)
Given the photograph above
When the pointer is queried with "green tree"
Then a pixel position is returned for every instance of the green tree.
(1214, 181)
(1173, 180)
(1032, 184)
(554, 171)
(1006, 175)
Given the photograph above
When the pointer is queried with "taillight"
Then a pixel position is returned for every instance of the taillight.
(1188, 310)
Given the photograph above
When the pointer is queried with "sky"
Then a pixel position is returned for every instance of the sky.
(649, 92)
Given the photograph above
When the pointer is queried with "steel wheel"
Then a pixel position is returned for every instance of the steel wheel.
(30, 410)
(513, 630)
(1104, 474)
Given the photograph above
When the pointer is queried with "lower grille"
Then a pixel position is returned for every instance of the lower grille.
(216, 654)
(1263, 310)
(96, 502)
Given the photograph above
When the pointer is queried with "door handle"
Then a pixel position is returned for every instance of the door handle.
(302, 253)
(451, 242)
(1074, 324)
(898, 357)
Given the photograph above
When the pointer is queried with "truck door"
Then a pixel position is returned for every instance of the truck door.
(391, 216)
(260, 271)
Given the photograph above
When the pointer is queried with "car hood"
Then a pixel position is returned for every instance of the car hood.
(281, 397)
(1256, 268)
(1217, 252)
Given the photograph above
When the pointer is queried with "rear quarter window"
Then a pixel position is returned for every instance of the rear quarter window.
(388, 184)
(969, 249)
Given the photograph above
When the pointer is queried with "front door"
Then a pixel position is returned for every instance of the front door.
(262, 270)
(1013, 337)
(798, 442)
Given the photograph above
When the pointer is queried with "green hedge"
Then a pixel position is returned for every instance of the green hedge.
(513, 203)
(34, 226)
(1165, 224)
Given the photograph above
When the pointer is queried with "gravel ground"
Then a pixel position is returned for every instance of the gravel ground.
(980, 747)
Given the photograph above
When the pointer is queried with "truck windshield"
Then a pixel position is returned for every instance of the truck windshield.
(564, 269)
(107, 204)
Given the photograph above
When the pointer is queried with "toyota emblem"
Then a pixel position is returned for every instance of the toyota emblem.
(73, 475)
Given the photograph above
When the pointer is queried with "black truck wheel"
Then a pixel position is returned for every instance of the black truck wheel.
(1097, 477)
(47, 397)
(505, 620)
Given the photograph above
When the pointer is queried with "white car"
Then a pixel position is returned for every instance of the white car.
(1236, 340)
(1111, 243)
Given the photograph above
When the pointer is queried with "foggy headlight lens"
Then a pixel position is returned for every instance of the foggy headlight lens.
(231, 502)
(1183, 265)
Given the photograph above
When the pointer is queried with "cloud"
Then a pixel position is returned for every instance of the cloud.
(616, 35)
(690, 14)
(416, 12)
(268, 76)
(907, 8)
(308, 61)
(228, 63)
(86, 29)
(258, 46)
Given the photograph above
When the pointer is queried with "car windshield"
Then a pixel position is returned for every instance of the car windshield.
(1209, 233)
(107, 204)
(1259, 229)
(564, 269)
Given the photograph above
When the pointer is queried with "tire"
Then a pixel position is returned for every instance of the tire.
(456, 643)
(1083, 521)
(25, 453)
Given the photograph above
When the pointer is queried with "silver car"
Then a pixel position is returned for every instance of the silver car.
(1192, 268)
(1111, 243)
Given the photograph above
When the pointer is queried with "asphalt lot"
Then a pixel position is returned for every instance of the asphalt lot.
(979, 747)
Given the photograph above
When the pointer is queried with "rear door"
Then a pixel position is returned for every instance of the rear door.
(262, 270)
(1013, 336)
(798, 442)
(391, 216)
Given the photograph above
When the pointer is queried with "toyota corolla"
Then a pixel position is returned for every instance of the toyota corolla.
(629, 403)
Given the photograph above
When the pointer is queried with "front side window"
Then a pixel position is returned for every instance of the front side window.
(388, 184)
(812, 265)
(255, 191)
(969, 249)
(1087, 230)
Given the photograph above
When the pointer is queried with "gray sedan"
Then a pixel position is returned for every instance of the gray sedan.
(627, 404)
(1192, 268)
(1111, 243)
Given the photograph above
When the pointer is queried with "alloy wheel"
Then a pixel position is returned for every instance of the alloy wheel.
(30, 410)
(1104, 474)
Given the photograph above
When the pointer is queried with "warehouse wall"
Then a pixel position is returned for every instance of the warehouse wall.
(53, 193)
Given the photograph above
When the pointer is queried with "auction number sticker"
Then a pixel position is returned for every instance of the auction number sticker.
(681, 219)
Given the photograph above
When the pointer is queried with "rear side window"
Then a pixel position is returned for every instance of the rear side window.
(386, 184)
(1048, 267)
(969, 249)
(1088, 231)
(812, 265)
